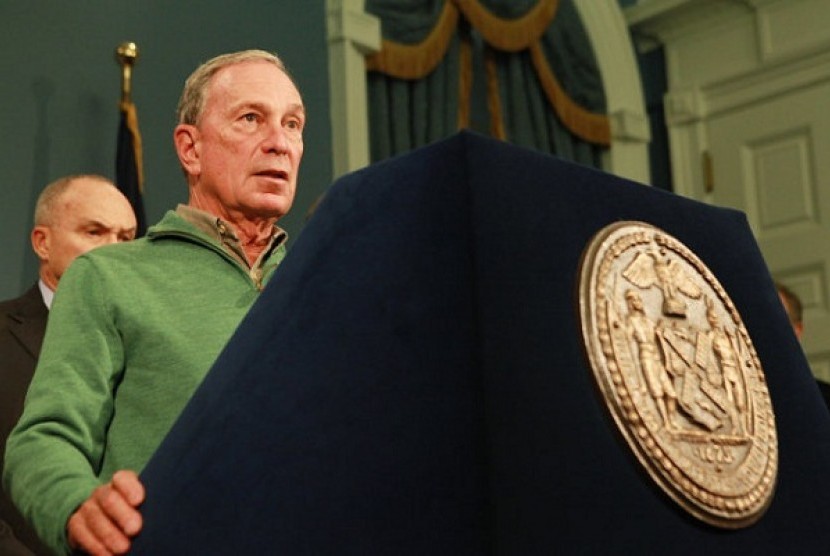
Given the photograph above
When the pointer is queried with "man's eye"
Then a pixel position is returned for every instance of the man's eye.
(250, 117)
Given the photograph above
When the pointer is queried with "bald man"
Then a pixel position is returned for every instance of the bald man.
(72, 216)
(793, 307)
(795, 312)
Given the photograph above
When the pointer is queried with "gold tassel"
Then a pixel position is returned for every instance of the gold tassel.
(415, 61)
(493, 97)
(465, 81)
(590, 126)
(510, 35)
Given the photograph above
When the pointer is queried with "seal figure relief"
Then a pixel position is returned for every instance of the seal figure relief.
(679, 373)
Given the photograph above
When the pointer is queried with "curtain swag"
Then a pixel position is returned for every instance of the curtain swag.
(416, 61)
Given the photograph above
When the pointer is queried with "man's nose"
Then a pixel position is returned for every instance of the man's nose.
(277, 139)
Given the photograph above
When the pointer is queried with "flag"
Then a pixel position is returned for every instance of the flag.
(129, 175)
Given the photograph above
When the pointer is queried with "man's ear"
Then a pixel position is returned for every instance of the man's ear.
(186, 140)
(41, 242)
(799, 329)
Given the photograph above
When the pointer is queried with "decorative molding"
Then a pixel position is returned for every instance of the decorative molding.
(348, 22)
(351, 34)
(774, 79)
(787, 28)
(771, 161)
(670, 20)
(688, 142)
(627, 125)
(606, 28)
(684, 106)
(807, 283)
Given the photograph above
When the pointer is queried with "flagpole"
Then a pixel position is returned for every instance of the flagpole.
(129, 171)
(127, 54)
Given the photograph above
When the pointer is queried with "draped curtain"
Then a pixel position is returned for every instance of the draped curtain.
(519, 70)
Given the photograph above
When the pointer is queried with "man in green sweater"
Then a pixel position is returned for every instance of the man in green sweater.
(135, 327)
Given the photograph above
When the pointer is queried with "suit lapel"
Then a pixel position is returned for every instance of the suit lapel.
(27, 321)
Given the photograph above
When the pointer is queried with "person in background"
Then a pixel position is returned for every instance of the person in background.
(792, 305)
(135, 327)
(795, 312)
(73, 215)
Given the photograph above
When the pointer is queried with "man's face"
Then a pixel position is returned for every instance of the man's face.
(798, 327)
(248, 144)
(87, 215)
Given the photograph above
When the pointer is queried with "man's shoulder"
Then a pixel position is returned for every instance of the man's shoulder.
(27, 298)
(8, 305)
(115, 252)
(171, 227)
(171, 244)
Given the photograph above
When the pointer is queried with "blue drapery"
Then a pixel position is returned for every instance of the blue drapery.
(519, 70)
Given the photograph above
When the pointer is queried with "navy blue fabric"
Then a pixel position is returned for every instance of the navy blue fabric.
(412, 380)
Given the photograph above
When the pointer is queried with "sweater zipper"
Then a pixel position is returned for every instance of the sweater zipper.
(256, 282)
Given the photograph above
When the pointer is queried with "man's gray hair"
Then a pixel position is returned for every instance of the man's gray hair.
(192, 101)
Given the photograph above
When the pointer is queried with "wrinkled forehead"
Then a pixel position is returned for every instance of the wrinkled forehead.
(254, 77)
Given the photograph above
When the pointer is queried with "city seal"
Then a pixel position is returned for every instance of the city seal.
(679, 374)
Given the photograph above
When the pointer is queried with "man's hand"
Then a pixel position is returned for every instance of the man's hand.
(104, 524)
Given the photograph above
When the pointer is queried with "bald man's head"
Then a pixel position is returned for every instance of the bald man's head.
(76, 214)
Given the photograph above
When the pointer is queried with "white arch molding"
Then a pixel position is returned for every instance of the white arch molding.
(630, 135)
(352, 34)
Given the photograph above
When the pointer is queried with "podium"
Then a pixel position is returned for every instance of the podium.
(413, 380)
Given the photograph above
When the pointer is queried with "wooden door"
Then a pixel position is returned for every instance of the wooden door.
(771, 159)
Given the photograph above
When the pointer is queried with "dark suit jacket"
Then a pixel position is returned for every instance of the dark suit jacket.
(22, 324)
(824, 388)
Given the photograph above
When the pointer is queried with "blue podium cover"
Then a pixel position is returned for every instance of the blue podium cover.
(412, 381)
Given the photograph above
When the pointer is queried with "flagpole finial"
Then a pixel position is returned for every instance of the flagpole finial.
(126, 54)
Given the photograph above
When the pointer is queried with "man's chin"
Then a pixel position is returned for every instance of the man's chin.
(274, 210)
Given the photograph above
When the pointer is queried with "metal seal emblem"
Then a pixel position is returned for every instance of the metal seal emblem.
(679, 373)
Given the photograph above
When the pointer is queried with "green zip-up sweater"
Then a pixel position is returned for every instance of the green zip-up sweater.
(132, 332)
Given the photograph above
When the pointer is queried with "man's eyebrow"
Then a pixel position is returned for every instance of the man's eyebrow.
(297, 107)
(249, 105)
(93, 223)
(262, 107)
